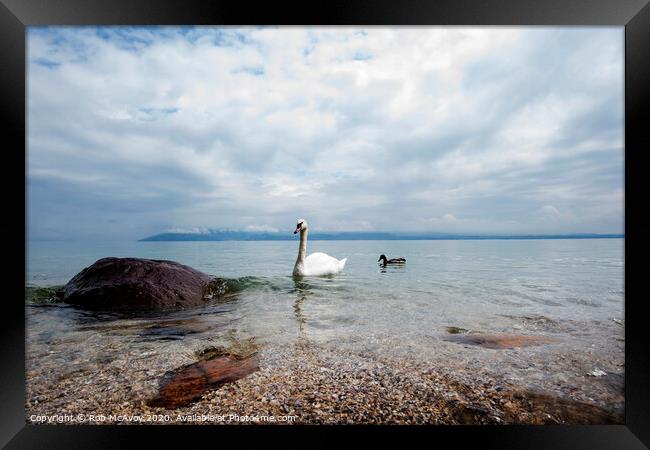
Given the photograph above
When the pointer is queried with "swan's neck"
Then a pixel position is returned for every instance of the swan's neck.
(300, 262)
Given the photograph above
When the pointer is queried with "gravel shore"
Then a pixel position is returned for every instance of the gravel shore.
(305, 383)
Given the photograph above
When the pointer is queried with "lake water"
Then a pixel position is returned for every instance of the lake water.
(569, 290)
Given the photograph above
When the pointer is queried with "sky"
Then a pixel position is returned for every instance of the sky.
(138, 131)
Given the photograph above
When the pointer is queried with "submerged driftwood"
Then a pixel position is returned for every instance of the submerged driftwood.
(187, 384)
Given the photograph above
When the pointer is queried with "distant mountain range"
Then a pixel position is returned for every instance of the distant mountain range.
(359, 236)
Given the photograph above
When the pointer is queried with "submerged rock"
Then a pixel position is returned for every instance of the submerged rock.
(138, 284)
(240, 348)
(538, 408)
(167, 330)
(456, 330)
(187, 384)
(500, 340)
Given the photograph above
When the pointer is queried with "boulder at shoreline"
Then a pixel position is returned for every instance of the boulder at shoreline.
(137, 284)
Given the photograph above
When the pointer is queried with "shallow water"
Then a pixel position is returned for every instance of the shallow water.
(569, 290)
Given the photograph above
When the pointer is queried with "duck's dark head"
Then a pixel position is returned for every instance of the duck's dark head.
(382, 257)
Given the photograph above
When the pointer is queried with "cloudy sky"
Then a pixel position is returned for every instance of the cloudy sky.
(136, 131)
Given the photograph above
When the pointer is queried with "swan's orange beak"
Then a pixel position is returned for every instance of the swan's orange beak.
(296, 231)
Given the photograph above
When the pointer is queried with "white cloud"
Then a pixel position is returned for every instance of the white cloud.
(261, 228)
(192, 230)
(380, 128)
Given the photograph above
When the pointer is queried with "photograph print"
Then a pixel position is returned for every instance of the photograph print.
(325, 225)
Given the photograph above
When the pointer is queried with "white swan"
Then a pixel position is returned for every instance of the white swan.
(315, 264)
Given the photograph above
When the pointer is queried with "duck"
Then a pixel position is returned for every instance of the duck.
(391, 261)
(316, 264)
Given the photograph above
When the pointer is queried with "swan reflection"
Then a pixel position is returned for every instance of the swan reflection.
(302, 290)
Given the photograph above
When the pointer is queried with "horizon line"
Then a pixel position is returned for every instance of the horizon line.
(233, 235)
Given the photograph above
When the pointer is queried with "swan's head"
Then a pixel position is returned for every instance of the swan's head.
(382, 257)
(301, 225)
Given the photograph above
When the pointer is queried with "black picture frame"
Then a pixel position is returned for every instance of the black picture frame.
(634, 15)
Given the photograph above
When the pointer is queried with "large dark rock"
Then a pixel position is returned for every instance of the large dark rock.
(137, 284)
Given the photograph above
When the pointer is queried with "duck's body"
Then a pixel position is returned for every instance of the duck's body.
(386, 261)
(316, 264)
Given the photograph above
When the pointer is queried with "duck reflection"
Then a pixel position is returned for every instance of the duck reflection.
(302, 290)
(392, 269)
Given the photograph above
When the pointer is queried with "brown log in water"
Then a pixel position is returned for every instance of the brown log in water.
(188, 383)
